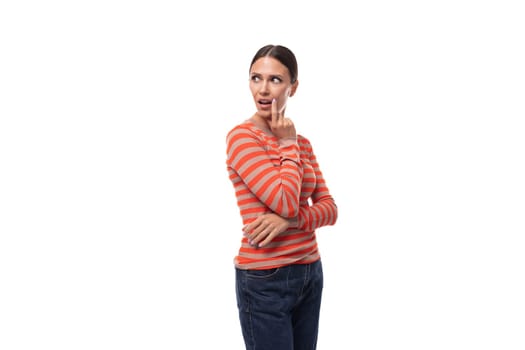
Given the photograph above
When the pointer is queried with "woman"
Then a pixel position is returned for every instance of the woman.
(282, 198)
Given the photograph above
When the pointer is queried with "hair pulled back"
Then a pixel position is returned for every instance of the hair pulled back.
(282, 54)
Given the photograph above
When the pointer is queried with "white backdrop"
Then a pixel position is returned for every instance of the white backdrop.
(118, 224)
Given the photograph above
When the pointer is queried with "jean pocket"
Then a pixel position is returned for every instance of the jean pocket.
(267, 273)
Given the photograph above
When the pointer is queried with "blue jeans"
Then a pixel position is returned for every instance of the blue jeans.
(279, 308)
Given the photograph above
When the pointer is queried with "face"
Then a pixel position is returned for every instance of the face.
(270, 79)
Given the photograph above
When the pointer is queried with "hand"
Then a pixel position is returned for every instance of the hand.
(281, 127)
(265, 228)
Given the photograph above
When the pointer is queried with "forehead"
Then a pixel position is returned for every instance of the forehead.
(270, 66)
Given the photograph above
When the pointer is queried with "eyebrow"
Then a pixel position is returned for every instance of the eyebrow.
(271, 75)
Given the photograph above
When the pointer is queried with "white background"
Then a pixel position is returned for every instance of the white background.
(118, 224)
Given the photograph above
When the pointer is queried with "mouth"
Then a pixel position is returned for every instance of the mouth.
(265, 103)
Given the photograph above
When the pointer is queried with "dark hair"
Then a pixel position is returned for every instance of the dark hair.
(282, 54)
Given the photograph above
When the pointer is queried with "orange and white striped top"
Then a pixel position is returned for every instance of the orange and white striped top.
(283, 177)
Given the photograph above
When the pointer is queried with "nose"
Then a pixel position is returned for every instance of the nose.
(264, 87)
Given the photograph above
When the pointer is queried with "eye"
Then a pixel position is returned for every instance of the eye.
(276, 80)
(255, 78)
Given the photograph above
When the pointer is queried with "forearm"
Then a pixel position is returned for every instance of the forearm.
(321, 213)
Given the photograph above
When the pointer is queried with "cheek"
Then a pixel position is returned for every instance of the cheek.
(282, 102)
(252, 89)
(283, 95)
(287, 92)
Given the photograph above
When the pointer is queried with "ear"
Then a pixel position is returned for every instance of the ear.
(294, 88)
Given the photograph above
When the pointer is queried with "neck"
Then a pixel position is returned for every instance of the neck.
(261, 123)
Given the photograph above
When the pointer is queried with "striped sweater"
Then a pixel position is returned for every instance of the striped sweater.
(283, 177)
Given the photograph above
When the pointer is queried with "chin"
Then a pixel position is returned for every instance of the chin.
(264, 114)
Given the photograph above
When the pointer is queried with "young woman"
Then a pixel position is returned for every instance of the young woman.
(282, 198)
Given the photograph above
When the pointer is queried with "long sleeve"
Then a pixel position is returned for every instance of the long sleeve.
(321, 209)
(273, 174)
(281, 177)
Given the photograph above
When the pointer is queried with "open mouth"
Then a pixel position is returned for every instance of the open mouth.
(265, 102)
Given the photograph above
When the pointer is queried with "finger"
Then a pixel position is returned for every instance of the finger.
(275, 112)
(252, 235)
(248, 228)
(268, 238)
(260, 233)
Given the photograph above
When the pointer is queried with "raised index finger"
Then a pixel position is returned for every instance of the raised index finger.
(275, 113)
